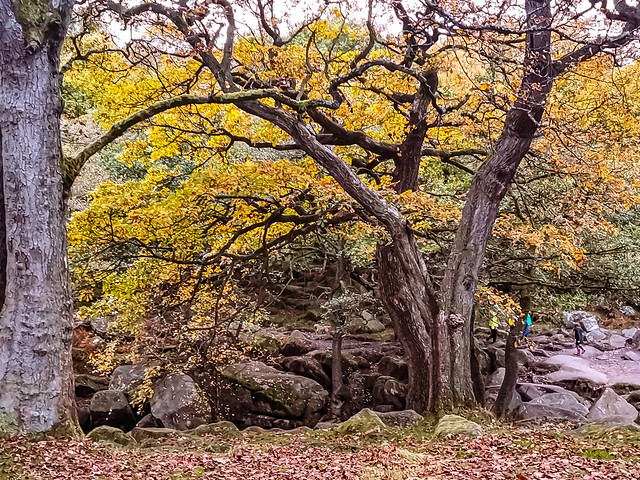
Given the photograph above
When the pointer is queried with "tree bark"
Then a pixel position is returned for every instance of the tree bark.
(407, 293)
(507, 403)
(36, 378)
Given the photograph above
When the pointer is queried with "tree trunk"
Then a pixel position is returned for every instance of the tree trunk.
(336, 371)
(36, 378)
(507, 401)
(406, 291)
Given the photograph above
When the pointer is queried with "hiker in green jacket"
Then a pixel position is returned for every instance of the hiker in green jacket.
(493, 325)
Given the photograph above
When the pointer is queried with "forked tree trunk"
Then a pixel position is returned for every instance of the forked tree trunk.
(36, 378)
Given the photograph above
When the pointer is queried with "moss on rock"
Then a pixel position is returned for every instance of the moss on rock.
(365, 421)
(453, 425)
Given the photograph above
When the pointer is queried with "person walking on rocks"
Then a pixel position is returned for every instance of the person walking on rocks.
(493, 325)
(578, 332)
(527, 328)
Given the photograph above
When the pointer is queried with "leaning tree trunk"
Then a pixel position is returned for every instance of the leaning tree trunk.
(36, 378)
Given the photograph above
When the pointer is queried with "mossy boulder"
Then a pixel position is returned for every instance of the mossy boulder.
(365, 421)
(291, 396)
(454, 425)
(111, 436)
(141, 434)
(223, 429)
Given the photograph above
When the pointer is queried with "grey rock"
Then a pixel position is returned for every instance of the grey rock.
(307, 367)
(179, 403)
(612, 408)
(233, 401)
(111, 408)
(363, 422)
(590, 321)
(297, 343)
(496, 378)
(87, 385)
(141, 434)
(127, 377)
(389, 390)
(400, 418)
(100, 325)
(616, 341)
(326, 425)
(529, 392)
(360, 324)
(564, 401)
(595, 337)
(147, 422)
(628, 310)
(290, 395)
(393, 366)
(111, 436)
(631, 356)
(223, 429)
(536, 412)
(629, 333)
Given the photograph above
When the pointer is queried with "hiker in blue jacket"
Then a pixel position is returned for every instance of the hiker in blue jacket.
(527, 327)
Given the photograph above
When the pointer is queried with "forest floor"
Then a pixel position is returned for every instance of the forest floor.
(503, 452)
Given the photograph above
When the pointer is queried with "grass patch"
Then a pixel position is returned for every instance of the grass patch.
(597, 454)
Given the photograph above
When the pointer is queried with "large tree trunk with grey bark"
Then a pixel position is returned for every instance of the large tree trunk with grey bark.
(36, 378)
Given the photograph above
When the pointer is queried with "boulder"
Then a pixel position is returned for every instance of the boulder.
(454, 425)
(151, 433)
(100, 325)
(529, 391)
(400, 418)
(233, 402)
(628, 310)
(393, 366)
(545, 388)
(635, 340)
(634, 399)
(364, 323)
(631, 356)
(84, 413)
(307, 367)
(496, 378)
(570, 368)
(223, 429)
(110, 407)
(563, 401)
(629, 333)
(615, 341)
(290, 395)
(111, 436)
(389, 391)
(371, 351)
(612, 408)
(87, 385)
(496, 353)
(127, 377)
(596, 337)
(297, 343)
(147, 422)
(179, 403)
(537, 412)
(356, 394)
(590, 321)
(365, 421)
